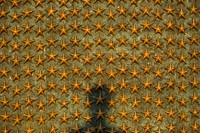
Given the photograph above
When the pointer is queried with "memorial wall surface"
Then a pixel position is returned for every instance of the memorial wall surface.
(99, 66)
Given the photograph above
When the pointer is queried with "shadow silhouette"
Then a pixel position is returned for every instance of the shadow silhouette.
(99, 108)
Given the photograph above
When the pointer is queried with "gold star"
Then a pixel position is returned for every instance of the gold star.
(51, 11)
(39, 31)
(170, 84)
(98, 11)
(158, 73)
(183, 102)
(122, 26)
(111, 30)
(52, 56)
(52, 115)
(158, 102)
(5, 87)
(158, 44)
(74, 11)
(99, 26)
(147, 127)
(99, 41)
(169, 10)
(87, 30)
(41, 120)
(181, 29)
(52, 129)
(170, 25)
(135, 103)
(76, 85)
(4, 28)
(40, 105)
(52, 100)
(100, 114)
(124, 128)
(87, 16)
(146, 11)
(29, 101)
(195, 127)
(87, 103)
(147, 113)
(122, 40)
(195, 112)
(123, 113)
(75, 55)
(64, 104)
(194, 54)
(88, 118)
(15, 31)
(134, 29)
(39, 16)
(112, 118)
(183, 116)
(171, 127)
(110, 15)
(29, 129)
(75, 26)
(159, 117)
(193, 9)
(122, 11)
(16, 106)
(52, 85)
(123, 84)
(194, 83)
(111, 103)
(134, 15)
(63, 30)
(134, 59)
(64, 118)
(146, 54)
(147, 84)
(171, 98)
(100, 99)
(29, 116)
(76, 99)
(51, 26)
(159, 88)
(27, 12)
(124, 99)
(112, 88)
(157, 14)
(181, 13)
(5, 116)
(194, 98)
(3, 13)
(146, 25)
(122, 70)
(134, 88)
(135, 130)
(147, 98)
(14, 3)
(88, 89)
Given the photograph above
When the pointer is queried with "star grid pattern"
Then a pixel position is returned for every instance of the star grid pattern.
(54, 52)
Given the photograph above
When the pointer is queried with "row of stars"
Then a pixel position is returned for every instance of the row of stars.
(88, 30)
(147, 84)
(124, 128)
(99, 70)
(99, 41)
(124, 100)
(99, 12)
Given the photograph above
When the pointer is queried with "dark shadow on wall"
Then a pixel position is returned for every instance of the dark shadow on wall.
(98, 111)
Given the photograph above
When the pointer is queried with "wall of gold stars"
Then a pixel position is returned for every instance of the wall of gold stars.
(142, 54)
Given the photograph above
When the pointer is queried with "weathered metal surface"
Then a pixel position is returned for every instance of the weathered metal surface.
(99, 66)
